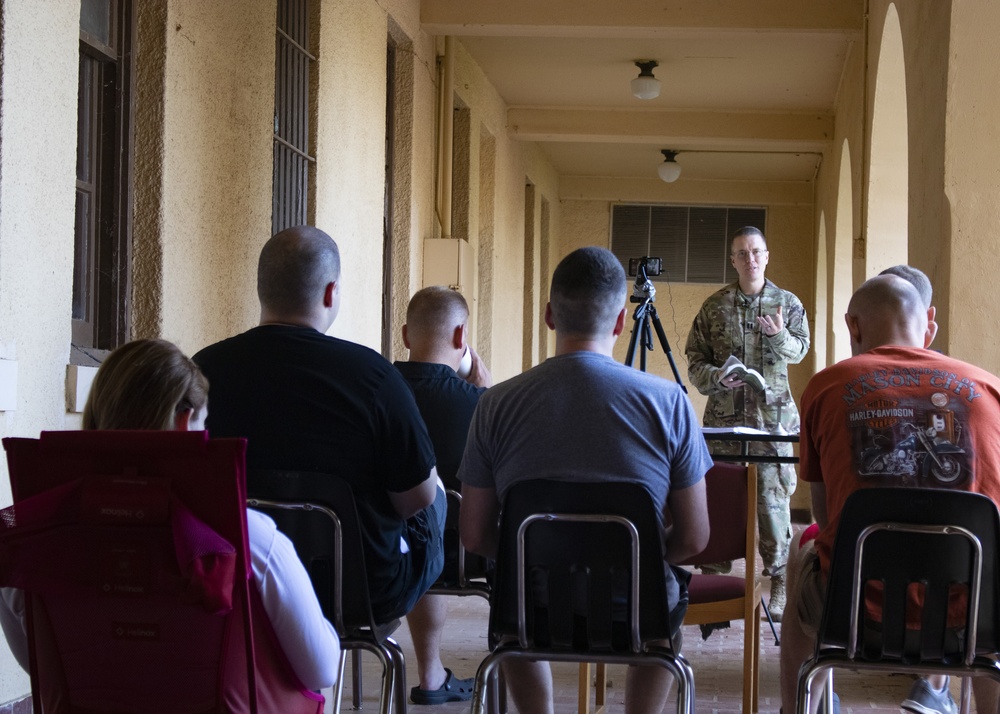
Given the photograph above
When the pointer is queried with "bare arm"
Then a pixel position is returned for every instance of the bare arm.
(817, 492)
(410, 503)
(478, 521)
(689, 513)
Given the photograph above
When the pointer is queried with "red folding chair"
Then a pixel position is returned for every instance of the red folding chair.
(131, 548)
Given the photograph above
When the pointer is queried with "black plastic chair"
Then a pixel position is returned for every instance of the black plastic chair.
(464, 575)
(317, 511)
(464, 572)
(594, 552)
(903, 540)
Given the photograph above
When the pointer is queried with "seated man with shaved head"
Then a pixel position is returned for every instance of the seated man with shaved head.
(307, 401)
(436, 333)
(846, 445)
(918, 279)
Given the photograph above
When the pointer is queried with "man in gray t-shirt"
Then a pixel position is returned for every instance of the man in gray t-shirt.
(581, 416)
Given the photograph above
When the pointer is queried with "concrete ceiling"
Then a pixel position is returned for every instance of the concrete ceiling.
(747, 88)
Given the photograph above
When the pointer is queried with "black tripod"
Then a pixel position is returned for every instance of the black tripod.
(644, 293)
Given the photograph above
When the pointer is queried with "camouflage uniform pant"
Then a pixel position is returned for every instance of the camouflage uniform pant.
(775, 484)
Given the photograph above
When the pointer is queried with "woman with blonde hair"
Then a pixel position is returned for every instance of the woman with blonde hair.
(151, 384)
(147, 384)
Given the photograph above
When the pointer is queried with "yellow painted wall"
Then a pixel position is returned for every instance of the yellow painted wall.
(217, 159)
(972, 187)
(38, 113)
(928, 53)
(516, 164)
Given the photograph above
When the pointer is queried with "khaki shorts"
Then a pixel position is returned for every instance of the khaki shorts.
(812, 589)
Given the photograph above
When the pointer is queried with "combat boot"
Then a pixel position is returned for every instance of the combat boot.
(776, 604)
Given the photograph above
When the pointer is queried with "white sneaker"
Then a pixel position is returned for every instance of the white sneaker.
(924, 700)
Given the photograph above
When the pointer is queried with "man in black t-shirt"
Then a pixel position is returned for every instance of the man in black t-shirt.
(435, 333)
(311, 402)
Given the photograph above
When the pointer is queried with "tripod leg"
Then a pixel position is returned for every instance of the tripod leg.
(639, 332)
(666, 346)
(630, 354)
(646, 342)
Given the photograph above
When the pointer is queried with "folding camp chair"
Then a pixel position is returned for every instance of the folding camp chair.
(131, 548)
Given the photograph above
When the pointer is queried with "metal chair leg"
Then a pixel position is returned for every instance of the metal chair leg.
(767, 614)
(356, 678)
(965, 706)
(398, 664)
(338, 688)
(828, 692)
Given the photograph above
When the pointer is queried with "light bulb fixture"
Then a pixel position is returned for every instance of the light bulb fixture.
(646, 86)
(669, 170)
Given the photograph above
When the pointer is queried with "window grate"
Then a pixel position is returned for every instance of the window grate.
(102, 247)
(293, 160)
(693, 241)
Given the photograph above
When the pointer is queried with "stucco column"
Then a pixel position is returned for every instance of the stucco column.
(972, 184)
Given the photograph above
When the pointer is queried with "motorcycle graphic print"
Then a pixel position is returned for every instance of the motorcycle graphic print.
(911, 441)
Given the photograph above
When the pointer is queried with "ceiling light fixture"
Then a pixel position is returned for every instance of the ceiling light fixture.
(669, 170)
(646, 86)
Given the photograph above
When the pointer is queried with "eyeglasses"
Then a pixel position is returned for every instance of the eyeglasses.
(757, 254)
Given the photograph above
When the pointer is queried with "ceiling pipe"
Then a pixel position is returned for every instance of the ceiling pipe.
(446, 133)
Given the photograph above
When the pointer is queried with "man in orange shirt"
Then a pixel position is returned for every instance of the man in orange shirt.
(863, 422)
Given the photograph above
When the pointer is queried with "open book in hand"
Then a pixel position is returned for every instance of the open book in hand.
(733, 366)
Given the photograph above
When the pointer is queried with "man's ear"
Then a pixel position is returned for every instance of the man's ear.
(328, 293)
(932, 326)
(853, 327)
(548, 316)
(458, 337)
(406, 338)
(620, 323)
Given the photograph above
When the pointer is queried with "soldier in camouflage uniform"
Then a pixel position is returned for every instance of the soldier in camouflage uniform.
(766, 328)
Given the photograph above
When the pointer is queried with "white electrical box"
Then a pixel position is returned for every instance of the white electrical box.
(78, 381)
(448, 262)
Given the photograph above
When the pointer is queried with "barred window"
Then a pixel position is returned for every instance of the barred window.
(102, 229)
(294, 163)
(693, 241)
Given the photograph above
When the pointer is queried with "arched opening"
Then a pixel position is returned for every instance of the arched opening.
(839, 346)
(888, 173)
(822, 299)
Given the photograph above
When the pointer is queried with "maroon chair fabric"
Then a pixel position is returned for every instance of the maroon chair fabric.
(132, 551)
(732, 514)
(728, 511)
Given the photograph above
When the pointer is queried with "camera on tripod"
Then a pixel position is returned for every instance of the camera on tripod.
(650, 266)
(643, 268)
(644, 318)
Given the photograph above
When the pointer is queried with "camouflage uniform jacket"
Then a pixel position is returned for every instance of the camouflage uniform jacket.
(727, 325)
